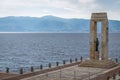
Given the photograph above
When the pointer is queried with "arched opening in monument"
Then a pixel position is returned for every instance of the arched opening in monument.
(99, 29)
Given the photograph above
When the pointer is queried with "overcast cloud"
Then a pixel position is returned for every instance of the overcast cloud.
(60, 8)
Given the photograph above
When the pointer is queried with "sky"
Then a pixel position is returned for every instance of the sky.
(60, 8)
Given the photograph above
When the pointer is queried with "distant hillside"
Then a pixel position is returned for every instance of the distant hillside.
(49, 24)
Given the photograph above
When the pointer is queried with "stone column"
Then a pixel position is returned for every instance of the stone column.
(93, 28)
(104, 44)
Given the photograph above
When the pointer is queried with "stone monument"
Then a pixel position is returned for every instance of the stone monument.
(95, 60)
(101, 17)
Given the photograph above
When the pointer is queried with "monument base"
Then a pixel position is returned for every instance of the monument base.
(98, 63)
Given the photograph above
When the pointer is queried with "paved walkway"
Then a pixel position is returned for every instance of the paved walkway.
(67, 72)
(71, 73)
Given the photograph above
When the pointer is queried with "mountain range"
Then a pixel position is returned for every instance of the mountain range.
(51, 24)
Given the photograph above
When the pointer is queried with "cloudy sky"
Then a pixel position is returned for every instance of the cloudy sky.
(60, 8)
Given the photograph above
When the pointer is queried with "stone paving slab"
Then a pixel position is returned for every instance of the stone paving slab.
(70, 73)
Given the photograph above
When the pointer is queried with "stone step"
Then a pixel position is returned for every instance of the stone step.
(98, 63)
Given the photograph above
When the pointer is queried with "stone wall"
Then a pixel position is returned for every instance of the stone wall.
(106, 75)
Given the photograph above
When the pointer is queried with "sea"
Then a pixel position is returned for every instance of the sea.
(33, 49)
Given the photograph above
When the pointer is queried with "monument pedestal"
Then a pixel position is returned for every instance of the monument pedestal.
(98, 63)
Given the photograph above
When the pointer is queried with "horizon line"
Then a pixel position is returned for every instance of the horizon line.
(54, 16)
(52, 32)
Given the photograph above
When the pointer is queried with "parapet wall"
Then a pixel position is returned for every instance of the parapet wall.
(26, 75)
(110, 73)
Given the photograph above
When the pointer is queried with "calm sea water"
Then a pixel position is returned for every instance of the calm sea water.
(32, 49)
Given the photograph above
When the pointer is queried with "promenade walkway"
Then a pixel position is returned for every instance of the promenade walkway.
(70, 73)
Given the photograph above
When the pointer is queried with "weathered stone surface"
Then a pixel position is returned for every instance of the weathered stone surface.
(4, 75)
(97, 55)
(99, 16)
(78, 73)
(94, 55)
(98, 63)
(93, 35)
